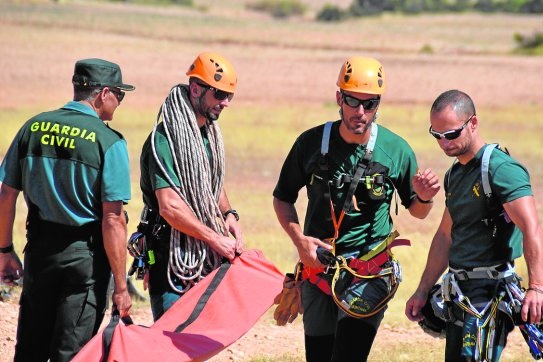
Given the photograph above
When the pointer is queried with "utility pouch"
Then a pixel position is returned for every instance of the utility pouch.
(362, 296)
(372, 186)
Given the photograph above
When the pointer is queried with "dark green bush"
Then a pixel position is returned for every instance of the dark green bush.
(331, 12)
(528, 42)
(279, 8)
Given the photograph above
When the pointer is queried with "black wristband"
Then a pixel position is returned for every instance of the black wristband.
(233, 212)
(7, 249)
(424, 201)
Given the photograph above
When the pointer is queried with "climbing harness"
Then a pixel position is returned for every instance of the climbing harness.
(353, 278)
(482, 317)
(481, 321)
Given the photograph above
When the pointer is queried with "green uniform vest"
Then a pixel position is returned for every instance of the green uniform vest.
(68, 162)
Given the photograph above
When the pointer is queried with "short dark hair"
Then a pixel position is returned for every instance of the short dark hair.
(85, 93)
(460, 102)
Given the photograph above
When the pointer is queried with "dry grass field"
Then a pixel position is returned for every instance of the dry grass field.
(287, 71)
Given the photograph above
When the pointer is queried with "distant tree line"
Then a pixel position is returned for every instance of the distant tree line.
(375, 7)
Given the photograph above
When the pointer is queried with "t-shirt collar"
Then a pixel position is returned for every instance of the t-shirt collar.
(80, 107)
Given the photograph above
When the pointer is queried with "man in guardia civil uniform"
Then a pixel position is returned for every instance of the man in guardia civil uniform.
(187, 216)
(74, 173)
(351, 171)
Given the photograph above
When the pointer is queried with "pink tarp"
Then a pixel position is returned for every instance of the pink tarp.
(242, 297)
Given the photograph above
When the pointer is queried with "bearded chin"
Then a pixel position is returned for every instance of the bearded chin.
(368, 125)
(211, 117)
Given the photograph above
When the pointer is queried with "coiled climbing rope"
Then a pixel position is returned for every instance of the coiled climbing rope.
(201, 182)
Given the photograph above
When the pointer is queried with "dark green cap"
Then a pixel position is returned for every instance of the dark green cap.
(99, 73)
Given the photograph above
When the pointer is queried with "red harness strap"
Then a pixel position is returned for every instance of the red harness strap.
(362, 267)
(373, 266)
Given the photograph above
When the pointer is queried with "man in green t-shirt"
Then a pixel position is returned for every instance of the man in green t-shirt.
(74, 173)
(187, 216)
(490, 217)
(351, 169)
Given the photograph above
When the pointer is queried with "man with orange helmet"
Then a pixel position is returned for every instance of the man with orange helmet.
(187, 216)
(351, 169)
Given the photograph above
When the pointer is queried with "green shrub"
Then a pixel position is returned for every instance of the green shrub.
(529, 44)
(279, 8)
(426, 49)
(155, 2)
(331, 12)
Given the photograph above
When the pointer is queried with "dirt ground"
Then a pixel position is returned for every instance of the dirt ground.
(31, 64)
(266, 339)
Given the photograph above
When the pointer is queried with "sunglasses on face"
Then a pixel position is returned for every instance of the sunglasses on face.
(449, 135)
(118, 93)
(367, 104)
(219, 95)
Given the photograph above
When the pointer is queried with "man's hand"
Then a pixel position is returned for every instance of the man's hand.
(426, 184)
(11, 269)
(224, 246)
(307, 251)
(122, 301)
(233, 227)
(414, 306)
(532, 306)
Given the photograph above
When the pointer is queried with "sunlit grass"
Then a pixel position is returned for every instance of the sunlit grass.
(258, 136)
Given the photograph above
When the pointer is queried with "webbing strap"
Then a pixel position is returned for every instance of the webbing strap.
(373, 137)
(326, 137)
(107, 335)
(485, 162)
(366, 159)
(325, 143)
(389, 242)
(360, 170)
(490, 272)
(205, 297)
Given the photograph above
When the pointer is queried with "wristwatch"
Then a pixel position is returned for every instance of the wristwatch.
(7, 249)
(233, 212)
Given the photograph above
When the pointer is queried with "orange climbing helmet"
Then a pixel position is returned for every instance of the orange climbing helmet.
(362, 75)
(215, 71)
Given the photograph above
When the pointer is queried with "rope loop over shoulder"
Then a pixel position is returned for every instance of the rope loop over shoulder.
(201, 181)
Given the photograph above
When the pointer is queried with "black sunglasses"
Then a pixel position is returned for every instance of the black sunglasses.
(452, 134)
(368, 104)
(118, 93)
(219, 95)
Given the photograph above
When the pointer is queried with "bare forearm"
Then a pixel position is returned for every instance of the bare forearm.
(436, 264)
(114, 234)
(533, 254)
(224, 203)
(8, 198)
(180, 216)
(420, 209)
(523, 213)
(288, 218)
(438, 255)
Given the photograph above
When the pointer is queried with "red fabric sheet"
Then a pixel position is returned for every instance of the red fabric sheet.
(244, 295)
